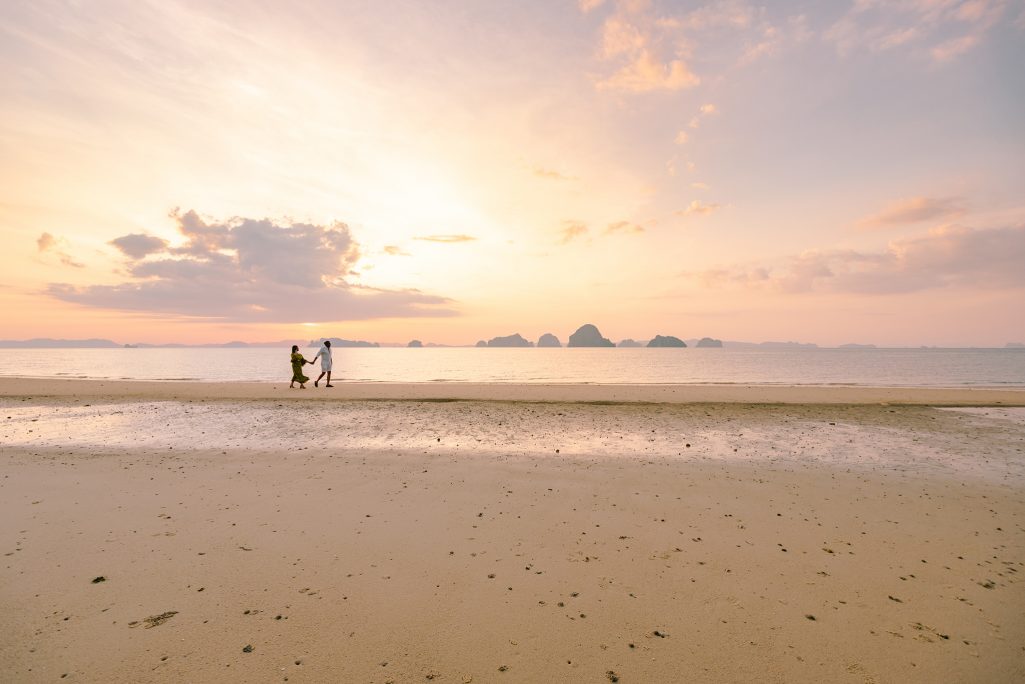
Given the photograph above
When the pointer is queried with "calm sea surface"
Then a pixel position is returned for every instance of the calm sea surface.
(875, 367)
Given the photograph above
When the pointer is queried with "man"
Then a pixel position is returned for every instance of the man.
(325, 364)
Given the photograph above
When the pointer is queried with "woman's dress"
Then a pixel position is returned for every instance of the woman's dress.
(297, 369)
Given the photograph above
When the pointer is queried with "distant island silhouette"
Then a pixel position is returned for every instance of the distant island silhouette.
(514, 340)
(666, 341)
(708, 343)
(588, 335)
(338, 342)
(548, 340)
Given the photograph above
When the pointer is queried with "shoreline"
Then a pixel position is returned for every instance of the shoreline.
(127, 390)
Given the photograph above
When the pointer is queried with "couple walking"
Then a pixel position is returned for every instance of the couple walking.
(298, 361)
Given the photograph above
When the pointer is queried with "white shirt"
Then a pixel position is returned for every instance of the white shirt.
(325, 358)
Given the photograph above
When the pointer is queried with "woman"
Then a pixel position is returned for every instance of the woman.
(297, 368)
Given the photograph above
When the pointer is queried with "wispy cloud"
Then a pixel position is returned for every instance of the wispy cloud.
(395, 250)
(915, 210)
(653, 47)
(953, 48)
(645, 73)
(446, 238)
(632, 38)
(542, 172)
(951, 256)
(699, 208)
(47, 243)
(706, 110)
(571, 230)
(943, 29)
(623, 227)
(248, 270)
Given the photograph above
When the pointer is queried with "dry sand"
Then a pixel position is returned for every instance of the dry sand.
(473, 541)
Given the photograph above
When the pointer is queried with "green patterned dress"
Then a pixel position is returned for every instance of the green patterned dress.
(297, 369)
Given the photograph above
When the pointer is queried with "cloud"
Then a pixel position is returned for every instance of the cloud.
(645, 73)
(699, 186)
(571, 230)
(948, 257)
(731, 15)
(137, 245)
(395, 250)
(681, 138)
(705, 111)
(915, 210)
(942, 29)
(699, 208)
(446, 238)
(542, 172)
(651, 51)
(47, 243)
(623, 227)
(251, 270)
(588, 5)
(620, 36)
(948, 50)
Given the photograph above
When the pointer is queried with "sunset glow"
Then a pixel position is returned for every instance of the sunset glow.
(207, 171)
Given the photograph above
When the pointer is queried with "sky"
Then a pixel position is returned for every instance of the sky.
(202, 171)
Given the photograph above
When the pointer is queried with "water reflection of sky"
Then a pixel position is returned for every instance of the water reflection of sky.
(911, 439)
(879, 367)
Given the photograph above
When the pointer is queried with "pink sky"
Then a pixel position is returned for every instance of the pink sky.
(825, 172)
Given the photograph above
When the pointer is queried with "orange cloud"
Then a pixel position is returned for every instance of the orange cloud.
(948, 50)
(951, 256)
(623, 227)
(49, 243)
(646, 73)
(542, 172)
(699, 208)
(572, 230)
(915, 210)
(446, 238)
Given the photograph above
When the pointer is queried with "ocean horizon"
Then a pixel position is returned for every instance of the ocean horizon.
(931, 367)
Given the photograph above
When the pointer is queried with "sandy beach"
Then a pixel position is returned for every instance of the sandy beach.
(165, 532)
(535, 392)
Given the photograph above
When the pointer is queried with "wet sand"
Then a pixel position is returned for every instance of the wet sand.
(469, 541)
(540, 392)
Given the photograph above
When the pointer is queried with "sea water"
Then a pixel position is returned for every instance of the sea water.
(868, 367)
